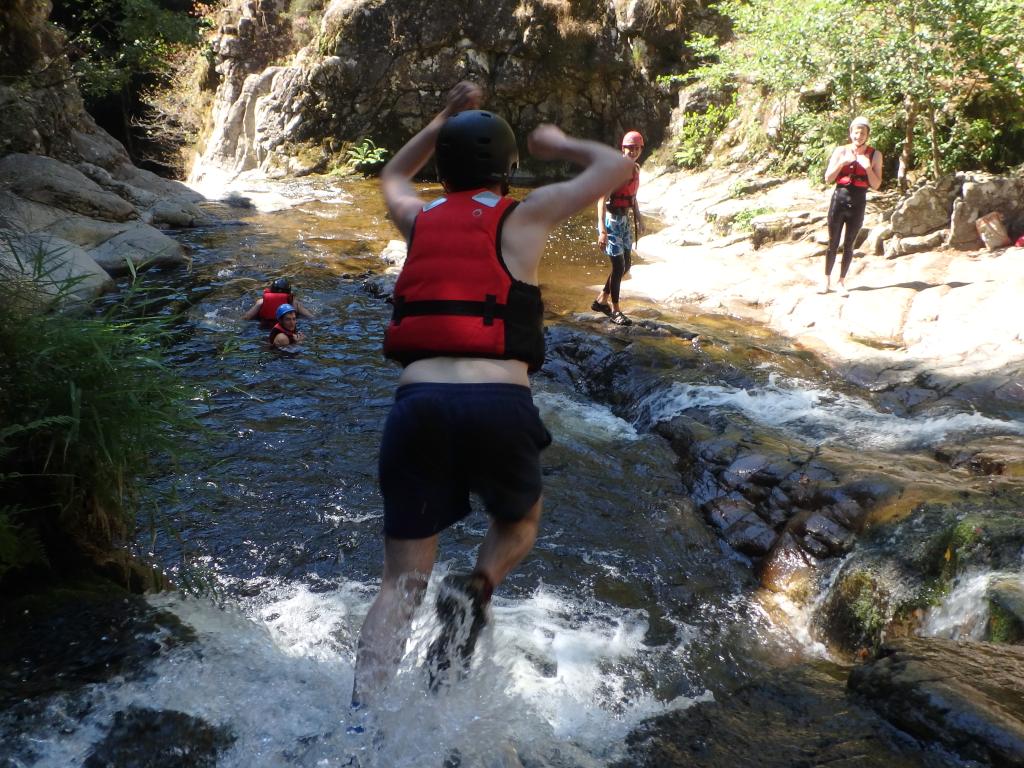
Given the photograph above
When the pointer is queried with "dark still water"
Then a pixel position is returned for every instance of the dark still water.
(629, 606)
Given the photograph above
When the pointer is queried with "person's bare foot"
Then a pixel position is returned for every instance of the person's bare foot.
(843, 290)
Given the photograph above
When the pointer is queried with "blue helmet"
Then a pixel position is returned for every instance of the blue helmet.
(283, 310)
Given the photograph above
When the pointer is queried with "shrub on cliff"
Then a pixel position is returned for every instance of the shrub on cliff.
(86, 402)
(940, 74)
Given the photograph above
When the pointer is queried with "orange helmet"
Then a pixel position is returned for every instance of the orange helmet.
(633, 139)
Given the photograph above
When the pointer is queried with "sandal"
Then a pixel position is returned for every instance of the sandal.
(620, 319)
(603, 308)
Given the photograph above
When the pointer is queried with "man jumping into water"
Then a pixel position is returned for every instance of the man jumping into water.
(467, 327)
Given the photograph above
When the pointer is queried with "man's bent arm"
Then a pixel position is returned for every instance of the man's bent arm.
(604, 169)
(396, 178)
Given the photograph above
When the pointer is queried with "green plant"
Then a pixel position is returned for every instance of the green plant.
(699, 132)
(804, 142)
(365, 156)
(86, 402)
(741, 222)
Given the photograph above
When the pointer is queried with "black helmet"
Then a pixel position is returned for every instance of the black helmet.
(280, 285)
(475, 148)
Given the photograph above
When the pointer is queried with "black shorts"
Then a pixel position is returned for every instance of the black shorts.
(444, 441)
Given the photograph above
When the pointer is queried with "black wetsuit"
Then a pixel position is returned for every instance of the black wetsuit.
(846, 210)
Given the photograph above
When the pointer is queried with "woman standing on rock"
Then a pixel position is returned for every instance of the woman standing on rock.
(853, 167)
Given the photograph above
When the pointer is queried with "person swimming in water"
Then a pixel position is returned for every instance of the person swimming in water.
(285, 331)
(279, 292)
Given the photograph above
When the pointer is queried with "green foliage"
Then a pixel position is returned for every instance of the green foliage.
(700, 131)
(365, 156)
(1003, 626)
(945, 72)
(305, 16)
(111, 41)
(741, 222)
(804, 142)
(87, 402)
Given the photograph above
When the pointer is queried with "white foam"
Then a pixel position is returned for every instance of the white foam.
(822, 415)
(963, 613)
(276, 671)
(592, 421)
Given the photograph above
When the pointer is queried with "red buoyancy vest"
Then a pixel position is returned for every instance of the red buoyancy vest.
(623, 196)
(854, 174)
(455, 296)
(278, 328)
(271, 301)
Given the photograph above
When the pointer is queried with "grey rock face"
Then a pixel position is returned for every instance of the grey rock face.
(981, 195)
(381, 71)
(926, 209)
(51, 182)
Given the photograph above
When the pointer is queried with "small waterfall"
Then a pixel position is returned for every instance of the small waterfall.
(809, 411)
(963, 614)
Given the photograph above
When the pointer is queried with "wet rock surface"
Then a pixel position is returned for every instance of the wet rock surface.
(159, 739)
(900, 568)
(59, 641)
(968, 697)
(800, 717)
(1002, 455)
(55, 644)
(771, 500)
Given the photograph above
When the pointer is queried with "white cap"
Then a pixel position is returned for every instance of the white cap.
(860, 120)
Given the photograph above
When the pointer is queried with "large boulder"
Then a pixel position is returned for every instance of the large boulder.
(926, 209)
(982, 195)
(137, 247)
(110, 244)
(52, 269)
(51, 182)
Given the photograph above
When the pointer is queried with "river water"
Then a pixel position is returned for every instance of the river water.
(624, 610)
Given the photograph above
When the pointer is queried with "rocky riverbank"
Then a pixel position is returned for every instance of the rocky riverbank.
(925, 296)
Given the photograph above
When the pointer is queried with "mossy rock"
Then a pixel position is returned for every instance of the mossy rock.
(1006, 611)
(1003, 626)
(991, 539)
(856, 611)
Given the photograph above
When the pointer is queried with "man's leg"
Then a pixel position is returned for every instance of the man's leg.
(506, 544)
(462, 601)
(407, 566)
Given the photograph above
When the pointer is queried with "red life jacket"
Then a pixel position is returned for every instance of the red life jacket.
(455, 296)
(278, 328)
(271, 301)
(624, 196)
(854, 174)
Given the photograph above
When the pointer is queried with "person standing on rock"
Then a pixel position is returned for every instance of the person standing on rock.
(467, 326)
(614, 233)
(853, 167)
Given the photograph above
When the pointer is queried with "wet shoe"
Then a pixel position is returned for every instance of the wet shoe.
(606, 309)
(462, 608)
(620, 319)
